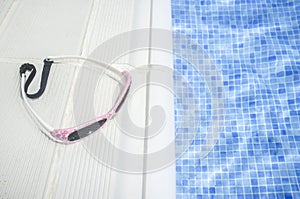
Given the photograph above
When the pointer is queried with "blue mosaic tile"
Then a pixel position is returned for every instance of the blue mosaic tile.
(255, 46)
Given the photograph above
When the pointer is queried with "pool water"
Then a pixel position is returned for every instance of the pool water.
(255, 47)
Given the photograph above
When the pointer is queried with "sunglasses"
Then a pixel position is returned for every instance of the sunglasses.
(76, 133)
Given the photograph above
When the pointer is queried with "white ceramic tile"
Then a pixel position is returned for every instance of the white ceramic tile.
(5, 6)
(42, 28)
(25, 152)
(108, 19)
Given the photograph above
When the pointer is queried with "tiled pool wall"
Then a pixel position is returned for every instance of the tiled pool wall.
(255, 46)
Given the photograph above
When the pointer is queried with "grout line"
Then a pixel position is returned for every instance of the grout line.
(8, 14)
(91, 20)
(104, 172)
(57, 158)
(147, 111)
(81, 53)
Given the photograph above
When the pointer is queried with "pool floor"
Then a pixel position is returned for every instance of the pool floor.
(255, 46)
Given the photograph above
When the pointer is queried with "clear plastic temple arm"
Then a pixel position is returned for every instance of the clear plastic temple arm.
(101, 64)
(42, 123)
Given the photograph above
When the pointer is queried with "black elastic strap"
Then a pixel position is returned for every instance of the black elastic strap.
(46, 70)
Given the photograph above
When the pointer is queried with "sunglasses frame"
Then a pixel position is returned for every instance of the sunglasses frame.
(71, 135)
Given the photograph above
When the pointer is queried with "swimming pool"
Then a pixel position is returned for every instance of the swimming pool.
(255, 47)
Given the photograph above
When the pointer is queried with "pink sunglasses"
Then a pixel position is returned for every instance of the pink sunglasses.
(73, 134)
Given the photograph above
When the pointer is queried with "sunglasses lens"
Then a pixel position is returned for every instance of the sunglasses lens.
(81, 133)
